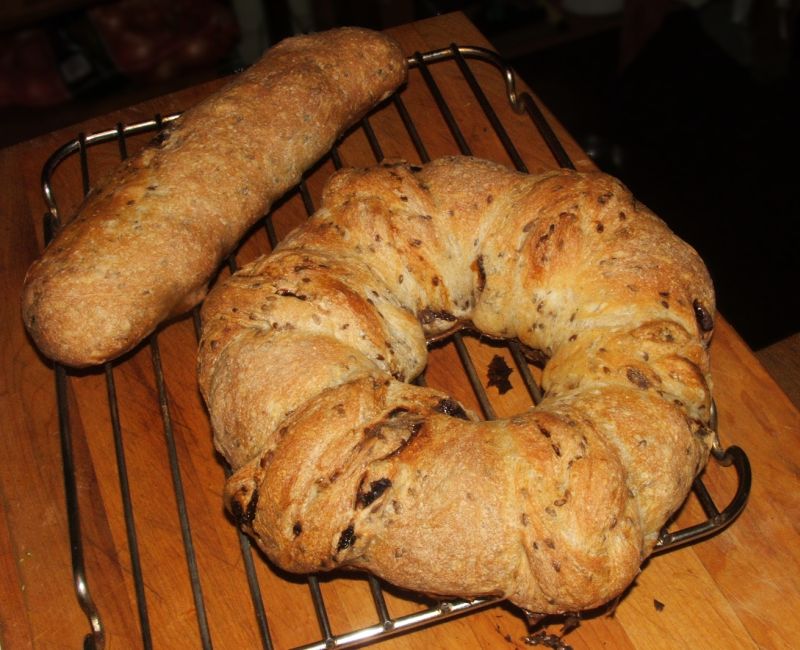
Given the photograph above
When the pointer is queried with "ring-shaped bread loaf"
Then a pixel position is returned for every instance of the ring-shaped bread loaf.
(338, 462)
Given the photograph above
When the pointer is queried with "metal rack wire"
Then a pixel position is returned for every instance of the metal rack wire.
(385, 625)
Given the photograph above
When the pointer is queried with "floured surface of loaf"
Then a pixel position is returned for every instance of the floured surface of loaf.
(338, 462)
(148, 239)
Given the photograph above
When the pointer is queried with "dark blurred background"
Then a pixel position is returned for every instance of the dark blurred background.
(693, 104)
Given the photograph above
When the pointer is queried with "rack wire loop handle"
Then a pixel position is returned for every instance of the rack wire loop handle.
(718, 520)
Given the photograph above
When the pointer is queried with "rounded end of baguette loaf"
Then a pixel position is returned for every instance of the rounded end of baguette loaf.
(95, 294)
(59, 332)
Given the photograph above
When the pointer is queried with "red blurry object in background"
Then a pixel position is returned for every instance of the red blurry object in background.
(152, 40)
(29, 71)
(146, 41)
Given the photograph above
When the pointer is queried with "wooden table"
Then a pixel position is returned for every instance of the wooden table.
(738, 589)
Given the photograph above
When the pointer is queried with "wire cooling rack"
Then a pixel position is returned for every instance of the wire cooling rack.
(716, 517)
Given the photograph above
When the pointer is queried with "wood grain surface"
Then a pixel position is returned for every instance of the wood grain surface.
(739, 589)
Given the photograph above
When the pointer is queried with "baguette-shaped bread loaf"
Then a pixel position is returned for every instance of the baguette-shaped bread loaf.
(146, 241)
(338, 462)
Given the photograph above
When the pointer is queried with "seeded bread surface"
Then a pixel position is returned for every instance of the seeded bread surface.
(146, 241)
(338, 461)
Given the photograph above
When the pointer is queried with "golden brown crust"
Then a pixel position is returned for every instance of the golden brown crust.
(147, 240)
(555, 508)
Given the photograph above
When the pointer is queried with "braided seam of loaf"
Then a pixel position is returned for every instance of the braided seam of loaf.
(339, 463)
